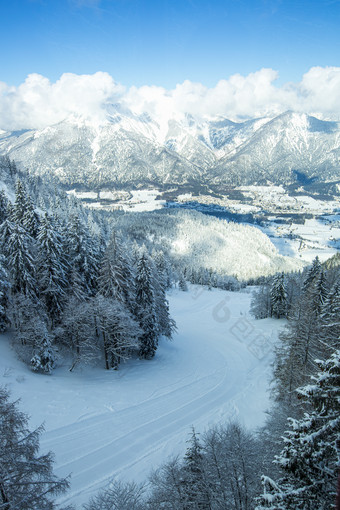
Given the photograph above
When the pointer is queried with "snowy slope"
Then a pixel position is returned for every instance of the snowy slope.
(104, 424)
(288, 143)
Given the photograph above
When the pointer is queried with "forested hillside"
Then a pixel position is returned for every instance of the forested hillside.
(70, 285)
(90, 285)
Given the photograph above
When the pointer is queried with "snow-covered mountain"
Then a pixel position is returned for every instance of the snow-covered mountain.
(131, 150)
(279, 150)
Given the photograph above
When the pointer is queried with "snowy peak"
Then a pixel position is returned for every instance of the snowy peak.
(125, 148)
(288, 143)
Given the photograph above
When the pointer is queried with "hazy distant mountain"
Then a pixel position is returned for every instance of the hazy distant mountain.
(131, 150)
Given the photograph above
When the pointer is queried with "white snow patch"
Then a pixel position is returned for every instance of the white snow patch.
(143, 200)
(316, 237)
(83, 195)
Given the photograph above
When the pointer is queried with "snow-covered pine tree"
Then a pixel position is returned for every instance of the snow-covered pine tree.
(44, 357)
(94, 254)
(330, 322)
(195, 478)
(8, 167)
(31, 338)
(76, 288)
(78, 331)
(146, 307)
(163, 268)
(260, 306)
(312, 273)
(19, 252)
(278, 297)
(165, 324)
(118, 330)
(51, 269)
(20, 204)
(182, 284)
(301, 339)
(6, 229)
(310, 457)
(81, 255)
(30, 219)
(4, 290)
(167, 488)
(116, 278)
(3, 206)
(27, 481)
(233, 459)
(318, 292)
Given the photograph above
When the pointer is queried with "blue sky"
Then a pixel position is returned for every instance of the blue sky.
(165, 42)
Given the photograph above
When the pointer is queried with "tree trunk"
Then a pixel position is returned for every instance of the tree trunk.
(106, 354)
(5, 500)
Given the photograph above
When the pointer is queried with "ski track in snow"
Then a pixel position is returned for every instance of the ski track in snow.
(102, 425)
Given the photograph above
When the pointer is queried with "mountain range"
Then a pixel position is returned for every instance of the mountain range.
(127, 150)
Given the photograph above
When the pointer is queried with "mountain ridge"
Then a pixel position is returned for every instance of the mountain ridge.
(136, 150)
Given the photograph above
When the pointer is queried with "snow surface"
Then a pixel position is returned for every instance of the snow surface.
(102, 424)
(316, 237)
(143, 200)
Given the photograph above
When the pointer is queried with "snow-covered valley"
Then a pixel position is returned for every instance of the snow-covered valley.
(299, 226)
(103, 424)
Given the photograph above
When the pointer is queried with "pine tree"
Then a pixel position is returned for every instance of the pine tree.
(278, 297)
(168, 490)
(30, 219)
(20, 204)
(182, 284)
(82, 255)
(309, 458)
(301, 339)
(20, 261)
(119, 331)
(78, 331)
(51, 269)
(312, 273)
(44, 357)
(330, 322)
(146, 307)
(116, 278)
(196, 489)
(163, 269)
(165, 324)
(3, 206)
(27, 481)
(232, 462)
(317, 293)
(293, 289)
(261, 307)
(4, 290)
(32, 341)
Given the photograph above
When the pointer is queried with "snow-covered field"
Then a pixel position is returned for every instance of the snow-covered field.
(143, 200)
(319, 235)
(104, 424)
(132, 201)
(316, 237)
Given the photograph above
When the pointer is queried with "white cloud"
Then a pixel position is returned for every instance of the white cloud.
(320, 91)
(37, 102)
